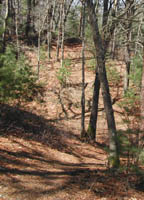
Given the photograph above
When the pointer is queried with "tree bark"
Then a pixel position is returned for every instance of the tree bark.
(16, 7)
(128, 26)
(91, 132)
(83, 75)
(100, 45)
(59, 32)
(49, 31)
(63, 32)
(142, 101)
(28, 23)
(5, 26)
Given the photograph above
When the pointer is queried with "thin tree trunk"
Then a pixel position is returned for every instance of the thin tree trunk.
(138, 35)
(113, 140)
(38, 55)
(128, 63)
(29, 8)
(33, 17)
(63, 33)
(83, 75)
(91, 132)
(59, 33)
(80, 24)
(113, 45)
(50, 28)
(41, 23)
(128, 26)
(38, 49)
(64, 19)
(4, 26)
(53, 26)
(142, 100)
(16, 27)
(49, 32)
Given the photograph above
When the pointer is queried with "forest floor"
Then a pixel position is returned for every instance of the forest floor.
(42, 156)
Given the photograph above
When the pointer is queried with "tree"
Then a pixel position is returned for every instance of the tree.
(5, 18)
(128, 28)
(50, 22)
(16, 8)
(101, 41)
(91, 132)
(142, 99)
(83, 75)
(28, 22)
(65, 12)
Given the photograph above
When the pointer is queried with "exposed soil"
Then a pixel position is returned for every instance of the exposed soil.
(41, 153)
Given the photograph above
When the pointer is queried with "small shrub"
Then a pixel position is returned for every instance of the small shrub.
(64, 72)
(136, 71)
(113, 75)
(92, 64)
(129, 139)
(17, 80)
(42, 53)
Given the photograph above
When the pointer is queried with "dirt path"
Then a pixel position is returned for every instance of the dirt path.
(41, 154)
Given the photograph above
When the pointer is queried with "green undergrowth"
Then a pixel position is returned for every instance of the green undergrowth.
(17, 80)
(64, 72)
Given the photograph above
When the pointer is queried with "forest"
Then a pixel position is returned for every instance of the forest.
(71, 99)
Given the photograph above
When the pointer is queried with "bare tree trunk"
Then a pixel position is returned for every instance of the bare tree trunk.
(38, 49)
(33, 17)
(63, 33)
(38, 55)
(49, 31)
(113, 45)
(91, 132)
(80, 24)
(142, 101)
(4, 26)
(101, 47)
(83, 75)
(16, 5)
(59, 33)
(138, 35)
(128, 63)
(50, 27)
(53, 25)
(28, 23)
(128, 26)
(65, 13)
(41, 23)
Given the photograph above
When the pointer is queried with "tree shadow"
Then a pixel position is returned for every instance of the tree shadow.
(38, 159)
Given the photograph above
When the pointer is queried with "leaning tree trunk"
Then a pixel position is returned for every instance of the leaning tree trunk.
(100, 55)
(113, 140)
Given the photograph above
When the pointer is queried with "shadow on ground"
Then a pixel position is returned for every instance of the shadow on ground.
(40, 161)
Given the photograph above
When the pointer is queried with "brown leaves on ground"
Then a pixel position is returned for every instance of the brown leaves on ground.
(41, 153)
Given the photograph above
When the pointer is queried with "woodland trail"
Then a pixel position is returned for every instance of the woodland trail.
(41, 154)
